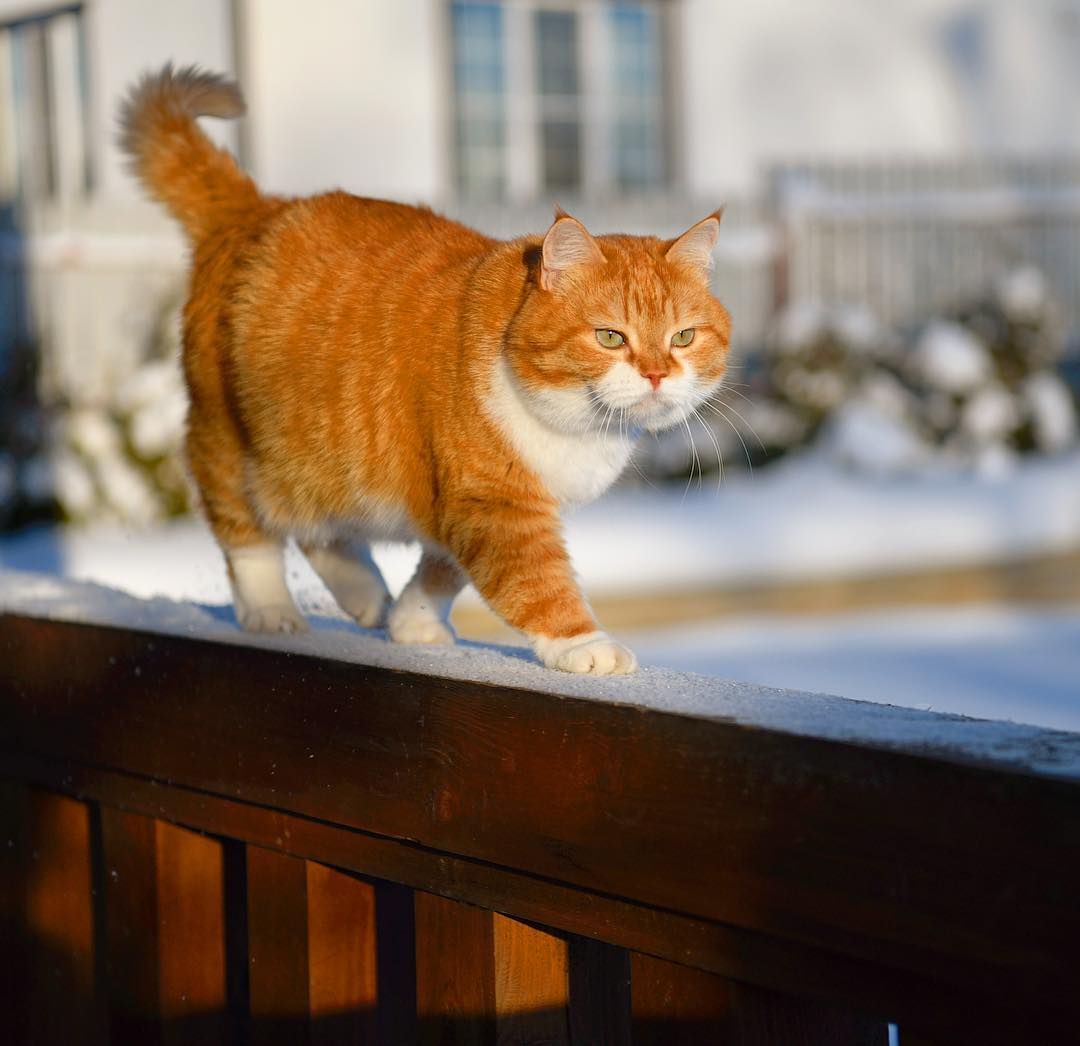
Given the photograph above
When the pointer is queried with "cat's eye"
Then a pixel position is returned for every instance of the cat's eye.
(609, 339)
(683, 338)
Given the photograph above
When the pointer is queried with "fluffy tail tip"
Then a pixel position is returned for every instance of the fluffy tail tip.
(185, 92)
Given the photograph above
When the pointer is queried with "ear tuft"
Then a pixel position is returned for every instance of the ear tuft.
(695, 246)
(567, 244)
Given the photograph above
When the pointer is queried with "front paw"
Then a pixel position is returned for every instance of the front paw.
(594, 653)
(271, 619)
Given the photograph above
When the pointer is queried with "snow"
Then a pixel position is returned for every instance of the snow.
(1002, 662)
(949, 357)
(863, 436)
(990, 415)
(156, 401)
(1052, 411)
(1022, 293)
(1032, 749)
(805, 518)
(799, 519)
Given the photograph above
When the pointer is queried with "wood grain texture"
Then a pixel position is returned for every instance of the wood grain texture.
(731, 951)
(342, 957)
(164, 932)
(675, 1005)
(455, 973)
(839, 871)
(191, 912)
(277, 920)
(132, 928)
(532, 987)
(63, 1001)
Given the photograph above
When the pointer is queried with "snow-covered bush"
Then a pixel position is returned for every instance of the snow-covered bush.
(971, 390)
(986, 377)
(118, 456)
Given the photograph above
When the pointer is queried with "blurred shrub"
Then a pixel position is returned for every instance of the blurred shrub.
(117, 458)
(972, 390)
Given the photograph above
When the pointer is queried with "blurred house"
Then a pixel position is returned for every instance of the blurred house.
(637, 114)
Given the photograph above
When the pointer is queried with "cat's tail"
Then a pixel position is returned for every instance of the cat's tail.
(177, 163)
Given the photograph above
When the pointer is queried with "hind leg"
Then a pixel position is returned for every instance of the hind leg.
(353, 579)
(421, 611)
(254, 558)
(261, 597)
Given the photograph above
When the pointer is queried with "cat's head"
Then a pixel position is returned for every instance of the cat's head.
(619, 332)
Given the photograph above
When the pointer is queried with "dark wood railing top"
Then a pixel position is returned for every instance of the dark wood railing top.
(1017, 746)
(926, 871)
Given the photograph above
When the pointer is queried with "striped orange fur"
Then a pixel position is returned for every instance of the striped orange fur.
(361, 370)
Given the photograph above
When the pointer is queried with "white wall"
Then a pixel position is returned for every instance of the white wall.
(348, 93)
(846, 78)
(127, 37)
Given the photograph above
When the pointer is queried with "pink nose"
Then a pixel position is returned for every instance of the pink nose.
(655, 377)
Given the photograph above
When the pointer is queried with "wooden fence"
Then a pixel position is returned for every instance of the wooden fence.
(203, 842)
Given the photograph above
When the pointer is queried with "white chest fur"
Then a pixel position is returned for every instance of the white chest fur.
(575, 467)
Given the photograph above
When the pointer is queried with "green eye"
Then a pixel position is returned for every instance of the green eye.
(683, 338)
(609, 339)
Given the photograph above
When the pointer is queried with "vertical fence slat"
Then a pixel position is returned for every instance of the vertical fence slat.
(675, 1005)
(61, 992)
(191, 911)
(164, 933)
(532, 988)
(599, 976)
(14, 868)
(455, 972)
(342, 983)
(129, 856)
(277, 941)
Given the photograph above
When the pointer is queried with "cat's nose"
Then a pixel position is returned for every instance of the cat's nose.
(655, 377)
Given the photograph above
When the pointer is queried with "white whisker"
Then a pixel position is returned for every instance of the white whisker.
(716, 446)
(694, 460)
(715, 408)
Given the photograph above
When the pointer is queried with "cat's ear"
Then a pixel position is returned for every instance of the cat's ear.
(567, 243)
(695, 246)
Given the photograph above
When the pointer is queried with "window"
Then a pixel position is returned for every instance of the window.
(43, 108)
(557, 96)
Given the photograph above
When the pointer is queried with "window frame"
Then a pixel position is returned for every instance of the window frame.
(521, 149)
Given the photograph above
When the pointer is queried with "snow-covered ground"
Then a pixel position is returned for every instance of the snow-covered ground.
(1019, 663)
(801, 518)
(792, 521)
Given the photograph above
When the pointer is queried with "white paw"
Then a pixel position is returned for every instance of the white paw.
(594, 653)
(271, 619)
(406, 627)
(367, 609)
(357, 587)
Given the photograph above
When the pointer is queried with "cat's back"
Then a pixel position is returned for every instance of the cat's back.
(373, 239)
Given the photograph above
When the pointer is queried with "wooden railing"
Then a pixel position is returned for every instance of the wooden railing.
(212, 843)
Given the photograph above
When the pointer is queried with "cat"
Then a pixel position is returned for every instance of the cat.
(360, 370)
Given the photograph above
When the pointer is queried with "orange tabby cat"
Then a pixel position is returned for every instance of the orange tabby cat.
(365, 370)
